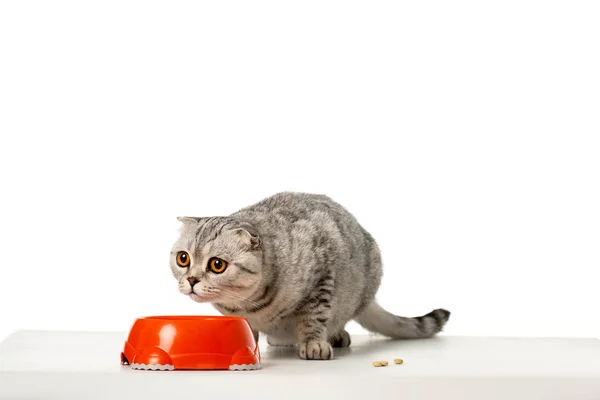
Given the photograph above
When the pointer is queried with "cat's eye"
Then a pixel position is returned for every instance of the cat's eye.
(183, 259)
(217, 265)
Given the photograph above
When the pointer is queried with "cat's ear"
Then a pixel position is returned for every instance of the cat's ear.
(188, 219)
(249, 236)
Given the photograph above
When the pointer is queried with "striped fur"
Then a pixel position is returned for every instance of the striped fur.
(299, 268)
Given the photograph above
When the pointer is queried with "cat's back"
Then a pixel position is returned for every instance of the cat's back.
(299, 204)
(290, 211)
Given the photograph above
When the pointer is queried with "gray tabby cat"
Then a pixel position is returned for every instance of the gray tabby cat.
(298, 267)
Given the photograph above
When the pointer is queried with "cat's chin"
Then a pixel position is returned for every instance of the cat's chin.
(201, 299)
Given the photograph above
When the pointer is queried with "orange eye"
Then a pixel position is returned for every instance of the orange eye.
(183, 259)
(217, 265)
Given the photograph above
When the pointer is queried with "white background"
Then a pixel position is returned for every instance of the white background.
(463, 135)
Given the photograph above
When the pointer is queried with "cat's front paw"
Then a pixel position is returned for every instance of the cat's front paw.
(315, 350)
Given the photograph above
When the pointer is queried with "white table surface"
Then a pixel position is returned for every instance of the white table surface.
(86, 365)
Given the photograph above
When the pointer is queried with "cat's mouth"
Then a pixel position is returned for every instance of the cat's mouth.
(203, 298)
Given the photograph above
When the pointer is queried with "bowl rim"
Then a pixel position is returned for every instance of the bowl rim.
(193, 318)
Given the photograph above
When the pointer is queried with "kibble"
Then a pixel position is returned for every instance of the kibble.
(384, 363)
(376, 363)
(398, 361)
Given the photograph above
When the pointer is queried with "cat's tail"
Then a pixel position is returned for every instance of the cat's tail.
(375, 319)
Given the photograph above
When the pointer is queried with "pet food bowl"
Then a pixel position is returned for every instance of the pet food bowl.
(191, 342)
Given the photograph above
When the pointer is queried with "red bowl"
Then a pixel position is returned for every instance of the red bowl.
(191, 342)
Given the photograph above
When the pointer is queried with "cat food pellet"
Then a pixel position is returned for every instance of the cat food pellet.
(398, 361)
(376, 364)
(384, 363)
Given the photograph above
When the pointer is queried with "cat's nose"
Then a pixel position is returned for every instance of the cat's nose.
(192, 280)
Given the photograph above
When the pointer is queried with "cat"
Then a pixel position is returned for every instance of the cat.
(298, 267)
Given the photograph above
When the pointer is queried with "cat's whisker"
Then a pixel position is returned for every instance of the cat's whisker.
(237, 296)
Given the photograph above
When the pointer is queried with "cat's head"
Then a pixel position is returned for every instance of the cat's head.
(217, 259)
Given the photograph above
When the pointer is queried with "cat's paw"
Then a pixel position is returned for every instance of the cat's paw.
(315, 350)
(342, 339)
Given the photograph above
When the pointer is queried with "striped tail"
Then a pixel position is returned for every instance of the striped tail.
(375, 319)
